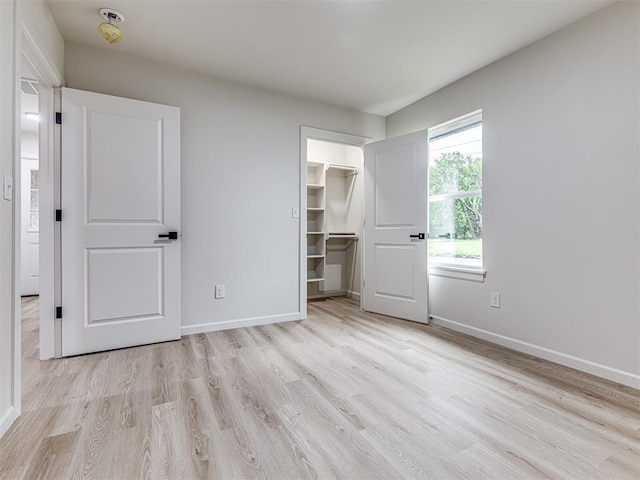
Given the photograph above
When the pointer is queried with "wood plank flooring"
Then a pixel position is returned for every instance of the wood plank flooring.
(342, 395)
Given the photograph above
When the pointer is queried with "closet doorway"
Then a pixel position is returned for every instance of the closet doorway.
(332, 216)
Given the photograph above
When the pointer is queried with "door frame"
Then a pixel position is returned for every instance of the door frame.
(307, 133)
(49, 78)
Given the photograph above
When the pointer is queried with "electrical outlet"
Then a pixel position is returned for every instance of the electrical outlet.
(219, 291)
(495, 299)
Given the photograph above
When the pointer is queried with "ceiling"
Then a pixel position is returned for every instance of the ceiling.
(372, 56)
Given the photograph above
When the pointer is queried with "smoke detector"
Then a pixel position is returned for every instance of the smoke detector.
(111, 16)
(109, 29)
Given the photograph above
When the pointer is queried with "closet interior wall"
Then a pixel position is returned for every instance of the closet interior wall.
(335, 212)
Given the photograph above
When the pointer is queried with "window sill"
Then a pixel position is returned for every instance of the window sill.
(458, 272)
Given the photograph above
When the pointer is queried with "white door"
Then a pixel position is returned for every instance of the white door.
(120, 184)
(395, 250)
(30, 247)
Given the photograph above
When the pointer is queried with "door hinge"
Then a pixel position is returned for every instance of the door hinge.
(58, 215)
(59, 118)
(58, 312)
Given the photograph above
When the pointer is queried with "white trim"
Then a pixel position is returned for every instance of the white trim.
(17, 220)
(460, 273)
(47, 224)
(7, 421)
(39, 62)
(613, 374)
(454, 124)
(455, 195)
(239, 323)
(353, 294)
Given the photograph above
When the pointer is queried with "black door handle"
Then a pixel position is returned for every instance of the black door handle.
(419, 236)
(170, 235)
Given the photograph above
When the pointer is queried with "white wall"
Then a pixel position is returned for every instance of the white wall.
(561, 195)
(40, 25)
(240, 178)
(7, 155)
(29, 144)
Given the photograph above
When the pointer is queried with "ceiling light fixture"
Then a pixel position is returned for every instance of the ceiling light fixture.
(32, 116)
(109, 31)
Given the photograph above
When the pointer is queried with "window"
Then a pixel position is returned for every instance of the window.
(455, 193)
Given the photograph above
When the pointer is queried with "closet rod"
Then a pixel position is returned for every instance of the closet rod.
(352, 236)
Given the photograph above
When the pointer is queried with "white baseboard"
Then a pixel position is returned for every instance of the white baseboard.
(353, 294)
(619, 376)
(6, 421)
(241, 322)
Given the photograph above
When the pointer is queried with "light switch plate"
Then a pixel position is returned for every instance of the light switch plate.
(7, 187)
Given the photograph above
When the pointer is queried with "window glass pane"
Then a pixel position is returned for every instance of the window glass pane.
(455, 196)
(34, 221)
(455, 161)
(34, 179)
(455, 228)
(35, 200)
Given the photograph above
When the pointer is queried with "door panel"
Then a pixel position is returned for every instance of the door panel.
(124, 284)
(120, 191)
(395, 264)
(109, 171)
(394, 188)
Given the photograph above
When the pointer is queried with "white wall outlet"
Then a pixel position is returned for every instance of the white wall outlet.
(295, 212)
(495, 299)
(219, 291)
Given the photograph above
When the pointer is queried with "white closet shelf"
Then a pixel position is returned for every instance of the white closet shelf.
(314, 186)
(315, 209)
(315, 164)
(347, 170)
(346, 235)
(312, 278)
(315, 233)
(315, 256)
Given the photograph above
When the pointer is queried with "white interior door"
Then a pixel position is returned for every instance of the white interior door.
(395, 251)
(120, 184)
(30, 247)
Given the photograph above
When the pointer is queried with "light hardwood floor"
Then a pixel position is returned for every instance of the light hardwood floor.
(343, 394)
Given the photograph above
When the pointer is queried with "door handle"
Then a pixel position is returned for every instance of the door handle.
(170, 235)
(419, 236)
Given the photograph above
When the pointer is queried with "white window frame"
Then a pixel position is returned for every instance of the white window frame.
(444, 268)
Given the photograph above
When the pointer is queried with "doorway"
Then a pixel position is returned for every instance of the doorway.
(332, 212)
(30, 189)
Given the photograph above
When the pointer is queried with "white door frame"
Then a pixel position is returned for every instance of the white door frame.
(29, 51)
(307, 133)
(49, 78)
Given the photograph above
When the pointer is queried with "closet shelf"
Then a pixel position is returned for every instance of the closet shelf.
(345, 235)
(315, 209)
(315, 256)
(315, 233)
(314, 186)
(347, 170)
(311, 277)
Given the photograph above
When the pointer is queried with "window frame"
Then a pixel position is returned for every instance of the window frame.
(454, 269)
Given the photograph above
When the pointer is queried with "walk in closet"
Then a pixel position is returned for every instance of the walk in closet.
(335, 191)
